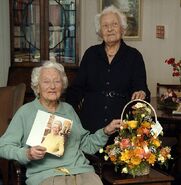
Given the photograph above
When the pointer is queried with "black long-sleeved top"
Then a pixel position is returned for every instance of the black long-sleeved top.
(105, 88)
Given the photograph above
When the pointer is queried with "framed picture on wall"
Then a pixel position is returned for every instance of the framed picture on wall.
(133, 11)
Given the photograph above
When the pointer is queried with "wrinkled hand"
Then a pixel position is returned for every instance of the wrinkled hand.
(36, 152)
(113, 127)
(138, 95)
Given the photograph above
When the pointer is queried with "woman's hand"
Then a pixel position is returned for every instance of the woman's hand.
(36, 152)
(112, 127)
(138, 95)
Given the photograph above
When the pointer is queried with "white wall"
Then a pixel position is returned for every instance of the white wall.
(154, 50)
(4, 42)
(89, 8)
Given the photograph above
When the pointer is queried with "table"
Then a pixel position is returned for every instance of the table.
(172, 129)
(154, 178)
(164, 114)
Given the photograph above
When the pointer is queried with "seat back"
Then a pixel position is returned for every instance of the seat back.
(11, 98)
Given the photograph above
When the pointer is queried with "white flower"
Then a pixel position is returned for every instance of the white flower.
(101, 150)
(139, 105)
(161, 158)
(106, 157)
(161, 133)
(124, 170)
(116, 142)
(169, 156)
(148, 110)
(142, 115)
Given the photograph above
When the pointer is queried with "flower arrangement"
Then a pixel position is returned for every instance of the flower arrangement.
(137, 147)
(169, 100)
(176, 67)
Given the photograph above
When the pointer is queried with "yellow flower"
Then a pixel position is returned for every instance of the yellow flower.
(146, 124)
(133, 124)
(135, 160)
(151, 159)
(156, 142)
(125, 156)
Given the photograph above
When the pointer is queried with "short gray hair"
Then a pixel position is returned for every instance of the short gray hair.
(111, 9)
(48, 64)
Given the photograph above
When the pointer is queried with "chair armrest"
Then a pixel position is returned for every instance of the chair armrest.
(4, 170)
(17, 173)
(96, 162)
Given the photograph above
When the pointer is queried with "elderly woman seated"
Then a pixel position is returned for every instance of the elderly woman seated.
(48, 82)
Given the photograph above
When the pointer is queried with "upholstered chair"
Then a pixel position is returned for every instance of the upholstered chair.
(11, 98)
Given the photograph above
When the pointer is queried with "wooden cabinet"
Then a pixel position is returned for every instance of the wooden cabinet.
(43, 30)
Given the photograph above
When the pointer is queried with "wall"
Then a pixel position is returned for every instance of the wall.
(154, 50)
(88, 36)
(4, 42)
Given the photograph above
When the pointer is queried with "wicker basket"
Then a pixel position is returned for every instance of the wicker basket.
(145, 169)
(139, 100)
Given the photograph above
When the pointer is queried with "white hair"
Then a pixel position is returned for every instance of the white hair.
(57, 122)
(48, 64)
(107, 10)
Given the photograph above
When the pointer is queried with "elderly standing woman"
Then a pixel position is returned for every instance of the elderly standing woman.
(111, 74)
(48, 82)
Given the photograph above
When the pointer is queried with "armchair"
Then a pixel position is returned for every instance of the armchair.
(11, 98)
(17, 172)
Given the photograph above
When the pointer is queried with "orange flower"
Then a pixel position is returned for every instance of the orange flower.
(165, 151)
(139, 152)
(146, 124)
(143, 130)
(112, 158)
(138, 141)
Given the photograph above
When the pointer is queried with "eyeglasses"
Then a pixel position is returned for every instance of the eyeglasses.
(113, 25)
(48, 83)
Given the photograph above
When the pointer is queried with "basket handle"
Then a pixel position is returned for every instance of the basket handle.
(139, 100)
